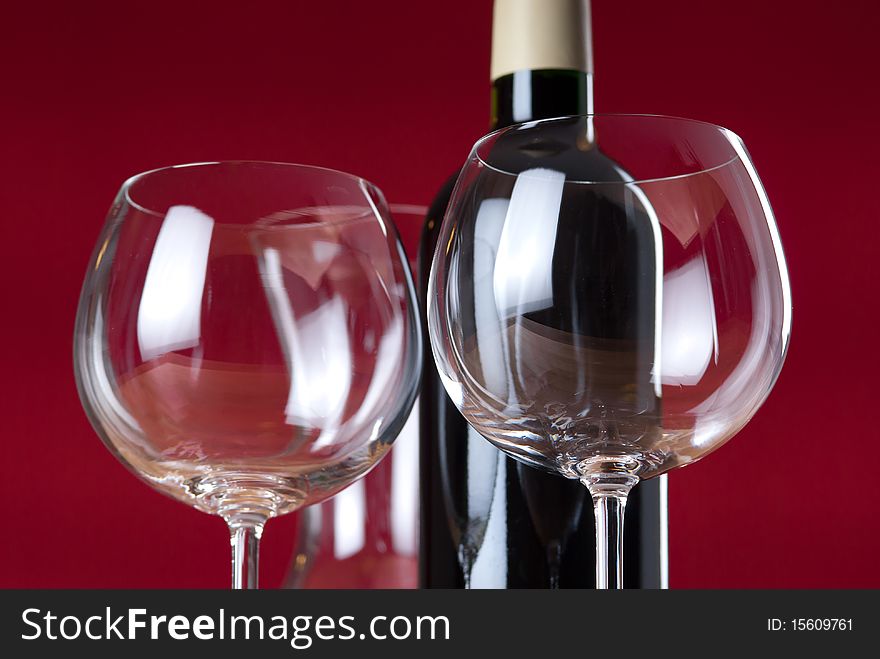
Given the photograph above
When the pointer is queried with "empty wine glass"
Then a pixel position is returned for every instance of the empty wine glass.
(246, 340)
(609, 300)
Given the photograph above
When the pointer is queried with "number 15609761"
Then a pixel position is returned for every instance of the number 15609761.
(810, 624)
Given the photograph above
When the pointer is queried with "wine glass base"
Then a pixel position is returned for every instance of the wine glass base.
(611, 475)
(245, 499)
(609, 485)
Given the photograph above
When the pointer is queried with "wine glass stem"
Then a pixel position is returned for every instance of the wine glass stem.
(245, 541)
(609, 490)
(609, 511)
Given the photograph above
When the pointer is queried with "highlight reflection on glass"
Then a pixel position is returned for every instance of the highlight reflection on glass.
(246, 339)
(609, 299)
(689, 330)
(170, 311)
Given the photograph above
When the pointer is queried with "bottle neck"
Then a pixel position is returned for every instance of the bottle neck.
(542, 94)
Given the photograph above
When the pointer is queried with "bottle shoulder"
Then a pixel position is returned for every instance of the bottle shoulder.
(431, 227)
(437, 208)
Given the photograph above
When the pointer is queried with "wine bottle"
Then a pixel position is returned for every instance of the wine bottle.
(488, 521)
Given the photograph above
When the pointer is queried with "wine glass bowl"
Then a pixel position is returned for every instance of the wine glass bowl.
(609, 297)
(246, 340)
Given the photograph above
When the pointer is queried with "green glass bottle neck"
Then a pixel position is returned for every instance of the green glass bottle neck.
(530, 95)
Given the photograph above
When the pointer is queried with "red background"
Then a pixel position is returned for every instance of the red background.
(397, 91)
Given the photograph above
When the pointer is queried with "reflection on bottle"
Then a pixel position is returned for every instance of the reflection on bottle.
(555, 506)
(487, 564)
(468, 508)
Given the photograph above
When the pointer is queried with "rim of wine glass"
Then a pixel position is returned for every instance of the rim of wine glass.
(130, 181)
(736, 143)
